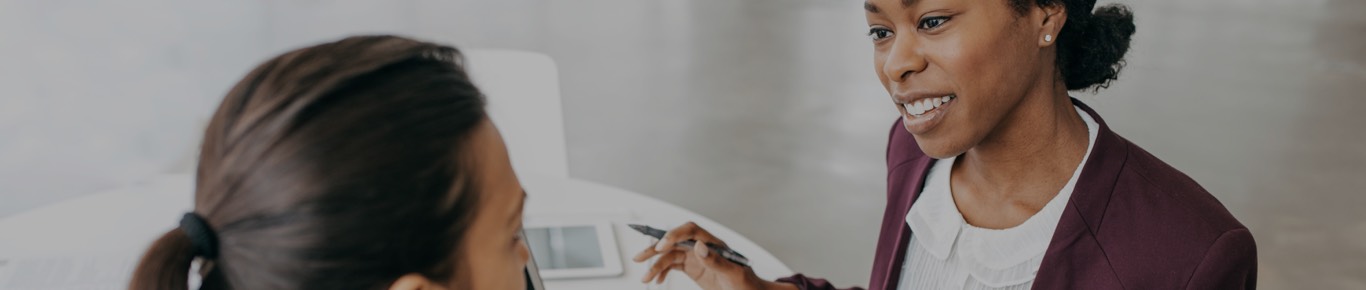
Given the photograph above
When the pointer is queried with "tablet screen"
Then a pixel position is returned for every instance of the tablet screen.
(532, 274)
(569, 247)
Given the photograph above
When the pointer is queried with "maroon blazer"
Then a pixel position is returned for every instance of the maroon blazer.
(1133, 222)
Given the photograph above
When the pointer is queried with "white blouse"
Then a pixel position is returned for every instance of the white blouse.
(946, 252)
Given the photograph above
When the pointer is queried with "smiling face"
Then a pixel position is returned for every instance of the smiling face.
(956, 69)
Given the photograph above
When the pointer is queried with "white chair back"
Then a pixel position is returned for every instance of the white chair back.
(523, 92)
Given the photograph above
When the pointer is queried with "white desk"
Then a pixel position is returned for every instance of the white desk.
(118, 225)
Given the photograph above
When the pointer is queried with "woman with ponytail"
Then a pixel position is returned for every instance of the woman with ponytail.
(365, 163)
(998, 179)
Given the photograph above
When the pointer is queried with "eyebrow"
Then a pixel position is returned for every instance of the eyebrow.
(870, 7)
(873, 8)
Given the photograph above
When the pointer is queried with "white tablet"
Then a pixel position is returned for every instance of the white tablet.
(565, 250)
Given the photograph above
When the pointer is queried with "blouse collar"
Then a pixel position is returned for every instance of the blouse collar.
(937, 225)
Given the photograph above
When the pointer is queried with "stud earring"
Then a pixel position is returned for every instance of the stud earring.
(1048, 38)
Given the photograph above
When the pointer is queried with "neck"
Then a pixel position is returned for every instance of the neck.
(1031, 154)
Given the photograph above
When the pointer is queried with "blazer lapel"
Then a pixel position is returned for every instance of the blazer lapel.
(1075, 258)
(904, 182)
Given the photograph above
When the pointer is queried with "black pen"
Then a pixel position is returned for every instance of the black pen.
(724, 252)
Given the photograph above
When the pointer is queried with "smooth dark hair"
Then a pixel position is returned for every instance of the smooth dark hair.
(1091, 45)
(336, 166)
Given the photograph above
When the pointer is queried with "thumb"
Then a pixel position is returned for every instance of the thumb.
(711, 260)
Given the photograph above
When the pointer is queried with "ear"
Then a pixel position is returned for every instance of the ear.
(1054, 16)
(414, 281)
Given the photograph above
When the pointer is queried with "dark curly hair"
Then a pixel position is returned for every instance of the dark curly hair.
(1091, 45)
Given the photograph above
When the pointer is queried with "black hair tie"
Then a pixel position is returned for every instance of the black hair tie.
(202, 239)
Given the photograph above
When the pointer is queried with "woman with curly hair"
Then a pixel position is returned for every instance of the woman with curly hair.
(998, 179)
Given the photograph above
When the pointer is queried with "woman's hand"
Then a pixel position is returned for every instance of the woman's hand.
(709, 270)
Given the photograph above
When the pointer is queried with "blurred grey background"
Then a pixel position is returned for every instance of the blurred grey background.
(764, 115)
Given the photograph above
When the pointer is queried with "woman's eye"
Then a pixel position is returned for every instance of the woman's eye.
(932, 22)
(879, 33)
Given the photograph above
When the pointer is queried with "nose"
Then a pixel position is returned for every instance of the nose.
(903, 59)
(525, 253)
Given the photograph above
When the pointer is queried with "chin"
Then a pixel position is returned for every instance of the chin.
(939, 148)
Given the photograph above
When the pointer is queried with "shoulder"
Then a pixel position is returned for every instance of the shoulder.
(1161, 225)
(1152, 186)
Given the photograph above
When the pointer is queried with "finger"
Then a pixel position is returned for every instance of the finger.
(676, 235)
(665, 274)
(712, 260)
(646, 254)
(650, 252)
(660, 266)
(696, 233)
(702, 235)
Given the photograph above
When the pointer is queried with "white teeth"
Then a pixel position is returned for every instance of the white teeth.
(923, 105)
